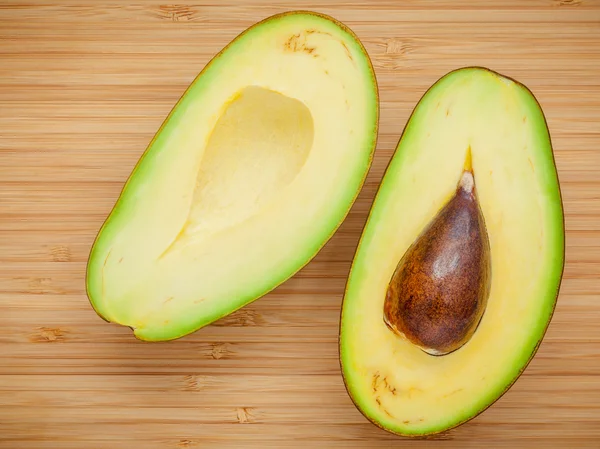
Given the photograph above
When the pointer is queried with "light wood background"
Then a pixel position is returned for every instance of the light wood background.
(84, 86)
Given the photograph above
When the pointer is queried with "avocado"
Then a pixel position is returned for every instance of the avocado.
(458, 269)
(250, 174)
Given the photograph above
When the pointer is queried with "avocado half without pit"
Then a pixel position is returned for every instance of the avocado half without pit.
(458, 269)
(250, 174)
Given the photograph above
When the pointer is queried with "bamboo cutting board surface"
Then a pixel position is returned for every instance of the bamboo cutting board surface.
(83, 88)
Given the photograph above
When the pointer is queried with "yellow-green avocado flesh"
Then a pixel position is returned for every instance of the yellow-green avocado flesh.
(250, 174)
(392, 382)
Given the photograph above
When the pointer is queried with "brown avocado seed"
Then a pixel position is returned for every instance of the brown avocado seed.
(439, 290)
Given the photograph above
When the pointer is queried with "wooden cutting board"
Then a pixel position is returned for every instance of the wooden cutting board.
(83, 87)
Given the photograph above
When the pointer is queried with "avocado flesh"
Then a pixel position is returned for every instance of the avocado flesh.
(393, 382)
(248, 177)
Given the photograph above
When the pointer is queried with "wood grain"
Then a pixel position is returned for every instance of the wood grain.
(83, 87)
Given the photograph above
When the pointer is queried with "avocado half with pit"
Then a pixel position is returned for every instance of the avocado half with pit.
(458, 268)
(250, 174)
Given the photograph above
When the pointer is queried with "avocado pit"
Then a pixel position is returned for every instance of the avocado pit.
(439, 290)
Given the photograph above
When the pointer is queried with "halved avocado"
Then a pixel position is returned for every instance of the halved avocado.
(248, 177)
(458, 268)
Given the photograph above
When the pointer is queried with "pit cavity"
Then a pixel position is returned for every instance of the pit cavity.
(256, 149)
